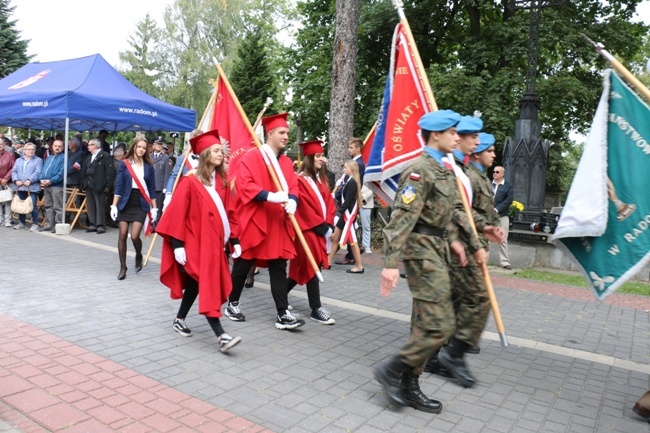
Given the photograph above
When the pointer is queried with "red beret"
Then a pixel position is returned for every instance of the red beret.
(203, 141)
(275, 121)
(312, 147)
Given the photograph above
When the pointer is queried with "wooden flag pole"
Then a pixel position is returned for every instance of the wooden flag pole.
(399, 5)
(274, 176)
(620, 68)
(186, 154)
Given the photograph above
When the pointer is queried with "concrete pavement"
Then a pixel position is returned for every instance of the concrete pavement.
(82, 351)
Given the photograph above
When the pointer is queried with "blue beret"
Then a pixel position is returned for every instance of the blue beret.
(486, 141)
(469, 125)
(439, 120)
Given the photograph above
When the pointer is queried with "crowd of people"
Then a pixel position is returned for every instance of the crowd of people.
(292, 218)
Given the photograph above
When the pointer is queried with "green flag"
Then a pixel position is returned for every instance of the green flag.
(605, 221)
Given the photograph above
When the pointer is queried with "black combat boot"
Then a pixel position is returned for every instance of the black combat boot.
(433, 366)
(413, 396)
(452, 357)
(474, 350)
(390, 376)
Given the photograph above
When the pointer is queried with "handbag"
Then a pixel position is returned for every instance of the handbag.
(22, 206)
(6, 194)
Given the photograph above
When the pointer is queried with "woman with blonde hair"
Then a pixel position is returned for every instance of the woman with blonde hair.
(346, 216)
(196, 227)
(134, 201)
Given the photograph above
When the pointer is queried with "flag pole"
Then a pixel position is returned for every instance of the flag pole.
(186, 154)
(399, 5)
(620, 68)
(273, 175)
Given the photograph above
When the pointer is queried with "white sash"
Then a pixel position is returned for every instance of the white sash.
(460, 174)
(222, 211)
(271, 158)
(314, 188)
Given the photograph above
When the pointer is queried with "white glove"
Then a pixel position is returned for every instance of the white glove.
(339, 182)
(277, 197)
(328, 234)
(179, 255)
(236, 251)
(154, 212)
(291, 206)
(168, 198)
(114, 212)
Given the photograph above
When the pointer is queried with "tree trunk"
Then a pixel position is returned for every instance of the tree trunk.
(341, 115)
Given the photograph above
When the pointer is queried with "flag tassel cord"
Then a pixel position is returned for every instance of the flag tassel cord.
(433, 107)
(186, 154)
(274, 177)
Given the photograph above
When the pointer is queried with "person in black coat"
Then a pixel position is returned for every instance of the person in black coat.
(503, 195)
(98, 177)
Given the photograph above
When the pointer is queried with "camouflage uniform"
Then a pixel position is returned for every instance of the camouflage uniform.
(471, 300)
(426, 197)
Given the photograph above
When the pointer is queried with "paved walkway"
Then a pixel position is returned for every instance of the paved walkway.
(84, 352)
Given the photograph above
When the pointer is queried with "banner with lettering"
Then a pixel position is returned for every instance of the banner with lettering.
(224, 116)
(605, 221)
(397, 140)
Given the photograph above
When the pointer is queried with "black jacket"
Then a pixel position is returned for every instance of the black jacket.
(99, 175)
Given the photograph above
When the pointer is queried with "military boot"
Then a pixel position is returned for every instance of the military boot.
(414, 397)
(433, 366)
(452, 357)
(390, 377)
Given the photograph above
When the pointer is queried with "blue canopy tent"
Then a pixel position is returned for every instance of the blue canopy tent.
(89, 94)
(84, 94)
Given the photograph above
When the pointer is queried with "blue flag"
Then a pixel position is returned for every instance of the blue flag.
(605, 221)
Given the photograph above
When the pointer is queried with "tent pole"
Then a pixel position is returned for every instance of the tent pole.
(65, 169)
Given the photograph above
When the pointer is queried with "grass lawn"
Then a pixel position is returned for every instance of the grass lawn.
(631, 287)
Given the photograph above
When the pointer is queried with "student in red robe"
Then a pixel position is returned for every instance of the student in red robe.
(196, 226)
(266, 232)
(316, 218)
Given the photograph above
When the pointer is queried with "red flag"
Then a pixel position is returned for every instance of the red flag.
(224, 116)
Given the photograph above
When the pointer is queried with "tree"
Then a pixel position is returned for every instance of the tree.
(142, 70)
(475, 54)
(253, 78)
(343, 95)
(13, 50)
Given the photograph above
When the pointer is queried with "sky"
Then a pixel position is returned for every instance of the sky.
(68, 29)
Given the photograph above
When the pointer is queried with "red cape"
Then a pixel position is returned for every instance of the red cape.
(193, 218)
(310, 215)
(266, 232)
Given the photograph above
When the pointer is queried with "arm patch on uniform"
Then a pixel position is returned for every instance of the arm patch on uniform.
(414, 176)
(408, 194)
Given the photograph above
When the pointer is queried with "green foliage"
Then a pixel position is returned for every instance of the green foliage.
(253, 78)
(142, 66)
(13, 50)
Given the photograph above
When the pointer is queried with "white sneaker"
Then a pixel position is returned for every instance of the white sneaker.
(226, 342)
(34, 228)
(20, 226)
(368, 250)
(8, 223)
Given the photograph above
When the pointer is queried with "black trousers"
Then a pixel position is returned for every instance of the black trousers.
(277, 276)
(313, 291)
(190, 292)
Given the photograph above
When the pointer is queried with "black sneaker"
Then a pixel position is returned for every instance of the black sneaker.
(321, 315)
(226, 342)
(181, 328)
(233, 312)
(288, 321)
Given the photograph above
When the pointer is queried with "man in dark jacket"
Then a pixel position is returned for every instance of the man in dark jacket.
(503, 194)
(98, 178)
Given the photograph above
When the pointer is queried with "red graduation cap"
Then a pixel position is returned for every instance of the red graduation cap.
(205, 140)
(312, 147)
(275, 121)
